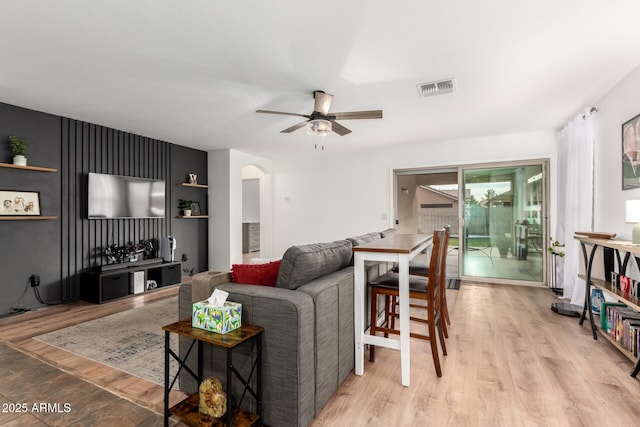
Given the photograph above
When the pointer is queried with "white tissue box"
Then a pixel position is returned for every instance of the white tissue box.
(217, 319)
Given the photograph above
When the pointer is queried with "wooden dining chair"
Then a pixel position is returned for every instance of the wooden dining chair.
(422, 269)
(428, 289)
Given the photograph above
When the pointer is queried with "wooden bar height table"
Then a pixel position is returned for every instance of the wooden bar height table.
(400, 249)
(187, 410)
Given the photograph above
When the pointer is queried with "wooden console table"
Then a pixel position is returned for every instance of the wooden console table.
(187, 410)
(605, 285)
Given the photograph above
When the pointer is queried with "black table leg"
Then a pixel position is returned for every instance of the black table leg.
(230, 417)
(166, 378)
(587, 294)
(259, 379)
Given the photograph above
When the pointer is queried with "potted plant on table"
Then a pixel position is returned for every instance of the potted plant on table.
(185, 205)
(19, 150)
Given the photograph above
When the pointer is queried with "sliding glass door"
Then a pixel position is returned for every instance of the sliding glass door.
(503, 222)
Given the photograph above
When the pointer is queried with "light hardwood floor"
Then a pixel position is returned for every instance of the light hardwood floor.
(511, 362)
(18, 332)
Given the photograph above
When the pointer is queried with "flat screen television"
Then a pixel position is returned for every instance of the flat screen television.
(116, 196)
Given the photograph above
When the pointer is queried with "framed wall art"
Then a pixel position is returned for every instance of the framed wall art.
(631, 154)
(19, 203)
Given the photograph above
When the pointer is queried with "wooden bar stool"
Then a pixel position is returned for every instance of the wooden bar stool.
(429, 289)
(422, 269)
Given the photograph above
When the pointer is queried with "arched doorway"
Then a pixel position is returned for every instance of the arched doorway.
(251, 215)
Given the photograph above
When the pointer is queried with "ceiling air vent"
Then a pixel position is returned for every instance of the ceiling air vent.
(437, 88)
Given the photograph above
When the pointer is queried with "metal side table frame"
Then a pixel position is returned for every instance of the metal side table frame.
(230, 341)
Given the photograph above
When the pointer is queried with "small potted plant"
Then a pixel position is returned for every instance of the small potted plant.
(185, 205)
(555, 248)
(19, 149)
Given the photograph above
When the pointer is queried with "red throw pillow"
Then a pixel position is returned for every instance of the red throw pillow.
(256, 274)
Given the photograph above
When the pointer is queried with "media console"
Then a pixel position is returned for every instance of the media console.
(114, 281)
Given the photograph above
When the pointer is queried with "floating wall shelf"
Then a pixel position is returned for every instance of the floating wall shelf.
(26, 217)
(31, 168)
(186, 184)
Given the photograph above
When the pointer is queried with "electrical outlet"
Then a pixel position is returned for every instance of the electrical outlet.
(35, 280)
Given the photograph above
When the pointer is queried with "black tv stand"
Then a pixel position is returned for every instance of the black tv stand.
(112, 281)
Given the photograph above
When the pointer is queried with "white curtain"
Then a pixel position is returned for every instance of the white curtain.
(575, 197)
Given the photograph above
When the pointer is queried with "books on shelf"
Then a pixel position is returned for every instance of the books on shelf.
(605, 325)
(622, 324)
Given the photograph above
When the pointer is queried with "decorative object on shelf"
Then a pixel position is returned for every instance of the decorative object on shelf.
(185, 205)
(625, 284)
(21, 203)
(631, 153)
(195, 209)
(597, 298)
(213, 401)
(596, 234)
(632, 216)
(19, 150)
(130, 252)
(193, 178)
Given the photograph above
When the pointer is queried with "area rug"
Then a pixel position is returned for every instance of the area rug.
(132, 341)
(453, 283)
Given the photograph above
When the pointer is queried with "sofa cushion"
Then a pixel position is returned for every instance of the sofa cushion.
(389, 232)
(364, 238)
(255, 274)
(302, 264)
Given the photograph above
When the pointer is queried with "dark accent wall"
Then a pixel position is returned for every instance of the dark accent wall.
(61, 250)
(190, 234)
(31, 247)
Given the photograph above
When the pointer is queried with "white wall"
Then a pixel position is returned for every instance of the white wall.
(225, 206)
(251, 200)
(321, 196)
(618, 106)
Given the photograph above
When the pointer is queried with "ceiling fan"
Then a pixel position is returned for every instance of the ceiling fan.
(321, 121)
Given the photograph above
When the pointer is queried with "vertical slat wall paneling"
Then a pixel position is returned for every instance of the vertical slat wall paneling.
(92, 148)
(65, 246)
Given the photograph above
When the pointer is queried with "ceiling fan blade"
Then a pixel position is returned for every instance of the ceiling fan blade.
(322, 102)
(283, 113)
(353, 115)
(294, 127)
(338, 128)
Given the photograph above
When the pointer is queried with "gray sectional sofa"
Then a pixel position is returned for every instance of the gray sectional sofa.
(308, 344)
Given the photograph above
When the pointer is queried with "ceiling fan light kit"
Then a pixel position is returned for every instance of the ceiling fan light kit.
(320, 122)
(318, 127)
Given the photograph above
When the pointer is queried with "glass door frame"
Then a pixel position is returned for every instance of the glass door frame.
(544, 220)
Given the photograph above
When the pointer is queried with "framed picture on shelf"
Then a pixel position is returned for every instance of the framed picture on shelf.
(19, 203)
(631, 153)
(195, 209)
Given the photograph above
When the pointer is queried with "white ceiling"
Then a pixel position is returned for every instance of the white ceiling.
(194, 72)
